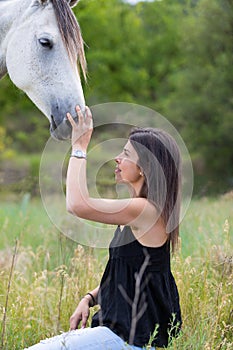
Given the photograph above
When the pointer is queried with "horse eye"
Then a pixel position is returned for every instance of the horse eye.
(45, 42)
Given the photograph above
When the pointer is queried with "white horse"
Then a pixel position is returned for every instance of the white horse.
(40, 42)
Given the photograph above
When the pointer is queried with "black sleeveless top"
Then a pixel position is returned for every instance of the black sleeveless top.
(138, 292)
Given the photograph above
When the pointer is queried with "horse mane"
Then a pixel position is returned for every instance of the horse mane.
(70, 32)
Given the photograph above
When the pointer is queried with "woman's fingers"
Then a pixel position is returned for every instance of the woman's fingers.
(70, 118)
(88, 113)
(80, 115)
(84, 123)
(89, 119)
(77, 317)
(74, 322)
(84, 320)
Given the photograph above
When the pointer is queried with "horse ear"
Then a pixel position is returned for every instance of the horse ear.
(73, 3)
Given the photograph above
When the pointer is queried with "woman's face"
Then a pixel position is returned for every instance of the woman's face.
(127, 170)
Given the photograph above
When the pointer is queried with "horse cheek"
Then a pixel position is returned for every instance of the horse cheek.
(17, 64)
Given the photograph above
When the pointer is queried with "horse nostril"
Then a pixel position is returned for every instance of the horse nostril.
(54, 126)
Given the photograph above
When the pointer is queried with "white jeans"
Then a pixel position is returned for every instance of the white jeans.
(97, 338)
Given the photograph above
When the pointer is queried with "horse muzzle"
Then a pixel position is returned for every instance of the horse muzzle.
(61, 131)
(60, 127)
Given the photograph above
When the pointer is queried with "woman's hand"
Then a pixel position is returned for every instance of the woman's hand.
(81, 132)
(81, 314)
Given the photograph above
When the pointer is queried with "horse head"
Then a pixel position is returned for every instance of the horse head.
(42, 49)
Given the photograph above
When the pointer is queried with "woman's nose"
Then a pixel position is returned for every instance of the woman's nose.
(117, 159)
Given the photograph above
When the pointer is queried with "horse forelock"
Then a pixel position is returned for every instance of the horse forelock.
(70, 31)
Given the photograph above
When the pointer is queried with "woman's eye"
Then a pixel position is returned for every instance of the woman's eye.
(46, 42)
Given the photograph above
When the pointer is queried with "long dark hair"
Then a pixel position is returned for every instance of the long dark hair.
(160, 162)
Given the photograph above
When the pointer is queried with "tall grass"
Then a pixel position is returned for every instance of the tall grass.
(51, 273)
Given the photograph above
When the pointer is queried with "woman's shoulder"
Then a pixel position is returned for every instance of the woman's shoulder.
(151, 232)
(148, 214)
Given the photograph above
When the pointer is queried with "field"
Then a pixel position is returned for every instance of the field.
(43, 275)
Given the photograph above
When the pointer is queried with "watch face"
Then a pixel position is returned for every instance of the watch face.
(79, 154)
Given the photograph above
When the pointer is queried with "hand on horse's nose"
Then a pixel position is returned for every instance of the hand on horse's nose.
(68, 123)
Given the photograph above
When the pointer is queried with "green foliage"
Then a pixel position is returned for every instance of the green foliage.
(200, 102)
(33, 135)
(114, 53)
(26, 127)
(2, 141)
(20, 173)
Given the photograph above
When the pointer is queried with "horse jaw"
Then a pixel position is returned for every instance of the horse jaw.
(55, 108)
(55, 105)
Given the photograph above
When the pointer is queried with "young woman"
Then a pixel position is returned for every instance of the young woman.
(137, 295)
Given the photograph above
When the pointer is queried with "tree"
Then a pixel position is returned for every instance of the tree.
(200, 99)
(161, 21)
(112, 31)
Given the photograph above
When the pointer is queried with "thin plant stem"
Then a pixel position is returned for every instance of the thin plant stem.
(7, 295)
(60, 302)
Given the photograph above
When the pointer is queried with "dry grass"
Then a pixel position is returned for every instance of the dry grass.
(42, 293)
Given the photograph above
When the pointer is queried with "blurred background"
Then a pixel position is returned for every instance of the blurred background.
(174, 56)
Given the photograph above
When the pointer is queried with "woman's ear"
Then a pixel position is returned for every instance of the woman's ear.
(72, 3)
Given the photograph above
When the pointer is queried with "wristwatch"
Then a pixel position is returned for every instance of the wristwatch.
(78, 154)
